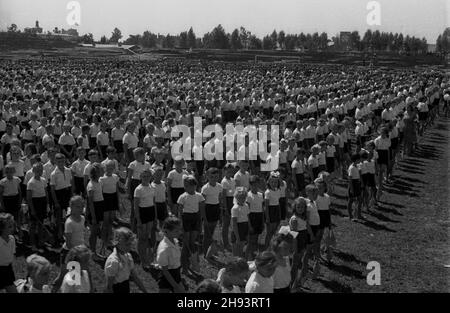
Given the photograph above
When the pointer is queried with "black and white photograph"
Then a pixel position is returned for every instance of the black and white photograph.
(224, 146)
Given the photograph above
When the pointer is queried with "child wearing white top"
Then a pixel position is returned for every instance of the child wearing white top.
(272, 206)
(255, 201)
(191, 204)
(96, 207)
(7, 252)
(354, 188)
(212, 192)
(239, 222)
(229, 186)
(261, 280)
(168, 257)
(175, 186)
(282, 247)
(119, 267)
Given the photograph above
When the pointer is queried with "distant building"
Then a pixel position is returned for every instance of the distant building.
(34, 30)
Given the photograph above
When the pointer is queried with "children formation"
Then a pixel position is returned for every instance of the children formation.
(277, 225)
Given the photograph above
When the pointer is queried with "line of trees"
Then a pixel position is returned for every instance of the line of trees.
(241, 38)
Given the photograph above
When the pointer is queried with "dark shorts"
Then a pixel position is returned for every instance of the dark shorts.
(133, 184)
(300, 181)
(191, 222)
(256, 220)
(325, 218)
(302, 240)
(423, 116)
(315, 230)
(212, 212)
(12, 205)
(98, 211)
(7, 277)
(242, 230)
(123, 287)
(161, 210)
(383, 157)
(175, 193)
(368, 179)
(147, 214)
(63, 197)
(330, 165)
(40, 208)
(356, 184)
(118, 145)
(163, 283)
(79, 185)
(283, 208)
(111, 203)
(274, 214)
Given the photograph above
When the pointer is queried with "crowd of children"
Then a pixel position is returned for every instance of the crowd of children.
(351, 126)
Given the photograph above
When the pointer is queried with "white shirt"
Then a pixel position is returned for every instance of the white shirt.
(77, 231)
(313, 161)
(160, 192)
(138, 168)
(131, 140)
(109, 183)
(298, 166)
(229, 185)
(314, 218)
(78, 167)
(323, 202)
(259, 284)
(96, 188)
(255, 202)
(119, 266)
(273, 196)
(37, 187)
(176, 178)
(61, 180)
(168, 254)
(212, 193)
(146, 195)
(240, 212)
(243, 179)
(190, 203)
(382, 144)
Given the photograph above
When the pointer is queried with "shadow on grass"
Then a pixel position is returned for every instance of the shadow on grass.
(410, 169)
(335, 286)
(347, 257)
(396, 205)
(387, 210)
(375, 226)
(408, 179)
(345, 270)
(382, 217)
(337, 213)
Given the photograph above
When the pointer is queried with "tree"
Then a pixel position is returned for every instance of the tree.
(355, 40)
(367, 40)
(443, 42)
(254, 43)
(235, 40)
(88, 38)
(149, 39)
(282, 39)
(133, 40)
(268, 43)
(244, 37)
(103, 40)
(116, 35)
(168, 42)
(12, 28)
(183, 43)
(191, 39)
(274, 38)
(217, 39)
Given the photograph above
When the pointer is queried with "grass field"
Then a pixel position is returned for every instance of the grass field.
(407, 233)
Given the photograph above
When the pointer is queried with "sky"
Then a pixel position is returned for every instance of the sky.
(422, 18)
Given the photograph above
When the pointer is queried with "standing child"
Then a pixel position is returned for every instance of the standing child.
(145, 213)
(134, 171)
(313, 249)
(299, 223)
(283, 190)
(77, 168)
(382, 146)
(10, 193)
(96, 208)
(323, 203)
(282, 247)
(168, 257)
(175, 184)
(110, 185)
(7, 252)
(229, 186)
(191, 204)
(37, 199)
(255, 200)
(354, 189)
(272, 206)
(239, 222)
(119, 267)
(298, 170)
(74, 232)
(212, 192)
